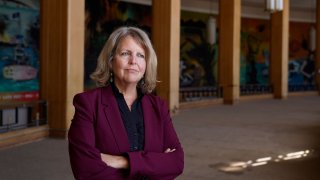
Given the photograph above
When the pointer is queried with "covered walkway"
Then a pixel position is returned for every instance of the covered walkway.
(247, 141)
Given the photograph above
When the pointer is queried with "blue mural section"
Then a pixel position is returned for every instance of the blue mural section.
(19, 50)
(302, 74)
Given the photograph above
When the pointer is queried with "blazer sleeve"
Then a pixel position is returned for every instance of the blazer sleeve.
(85, 158)
(160, 165)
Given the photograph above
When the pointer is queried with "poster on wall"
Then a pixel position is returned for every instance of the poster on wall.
(19, 50)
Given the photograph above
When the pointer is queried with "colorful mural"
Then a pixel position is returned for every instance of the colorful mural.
(198, 54)
(198, 64)
(104, 16)
(301, 57)
(255, 53)
(19, 50)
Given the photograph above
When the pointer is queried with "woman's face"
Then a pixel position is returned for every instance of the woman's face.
(129, 64)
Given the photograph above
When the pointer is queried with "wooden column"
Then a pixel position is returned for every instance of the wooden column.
(166, 41)
(229, 51)
(62, 56)
(317, 58)
(279, 51)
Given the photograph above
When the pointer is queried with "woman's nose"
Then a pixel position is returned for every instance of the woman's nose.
(133, 59)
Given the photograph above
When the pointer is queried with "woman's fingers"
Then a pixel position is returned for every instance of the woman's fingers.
(119, 162)
(169, 150)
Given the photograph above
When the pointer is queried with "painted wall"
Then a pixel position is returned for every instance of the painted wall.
(19, 50)
(198, 56)
(102, 17)
(255, 53)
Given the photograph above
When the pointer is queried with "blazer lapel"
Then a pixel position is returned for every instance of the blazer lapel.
(148, 117)
(114, 120)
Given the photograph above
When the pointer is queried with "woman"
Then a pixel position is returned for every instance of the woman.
(120, 130)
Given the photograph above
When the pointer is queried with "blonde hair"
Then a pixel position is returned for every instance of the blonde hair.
(102, 74)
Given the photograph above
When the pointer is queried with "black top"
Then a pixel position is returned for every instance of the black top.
(132, 120)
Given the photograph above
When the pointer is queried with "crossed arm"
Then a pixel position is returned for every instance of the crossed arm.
(121, 162)
(88, 162)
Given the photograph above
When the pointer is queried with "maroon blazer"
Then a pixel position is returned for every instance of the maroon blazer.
(97, 128)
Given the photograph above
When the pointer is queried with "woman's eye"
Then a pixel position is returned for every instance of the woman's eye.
(140, 55)
(124, 54)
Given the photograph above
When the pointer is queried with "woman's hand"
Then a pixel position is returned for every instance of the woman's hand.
(169, 150)
(121, 162)
(118, 162)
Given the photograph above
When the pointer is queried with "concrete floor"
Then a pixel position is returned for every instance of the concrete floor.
(216, 141)
(218, 135)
